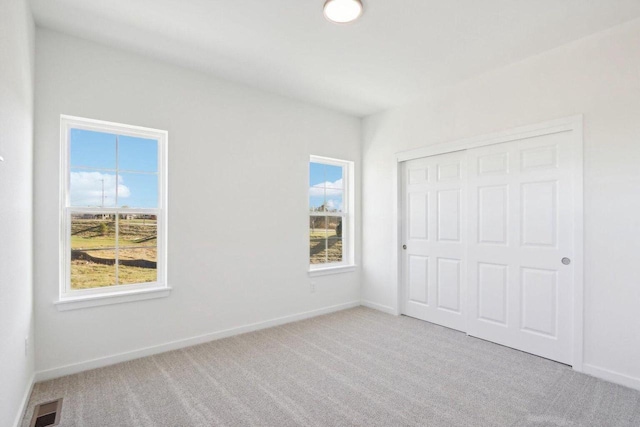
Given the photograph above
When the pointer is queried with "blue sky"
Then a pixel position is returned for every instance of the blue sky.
(96, 172)
(325, 186)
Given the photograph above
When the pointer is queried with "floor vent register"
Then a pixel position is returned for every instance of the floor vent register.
(47, 414)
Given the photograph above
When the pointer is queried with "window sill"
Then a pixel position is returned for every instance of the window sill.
(332, 270)
(74, 303)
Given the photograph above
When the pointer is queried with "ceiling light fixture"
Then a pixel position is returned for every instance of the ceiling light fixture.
(342, 11)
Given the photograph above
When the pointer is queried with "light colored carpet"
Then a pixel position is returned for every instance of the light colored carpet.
(356, 367)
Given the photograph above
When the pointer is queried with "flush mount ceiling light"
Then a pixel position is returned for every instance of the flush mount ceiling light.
(342, 11)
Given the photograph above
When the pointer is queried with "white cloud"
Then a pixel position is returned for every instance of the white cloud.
(89, 188)
(318, 190)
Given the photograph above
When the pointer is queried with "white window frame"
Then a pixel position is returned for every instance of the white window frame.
(81, 298)
(348, 218)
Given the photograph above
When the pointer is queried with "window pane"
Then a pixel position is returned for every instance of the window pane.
(333, 176)
(316, 186)
(137, 190)
(325, 241)
(92, 188)
(137, 231)
(318, 226)
(326, 188)
(316, 173)
(316, 203)
(137, 154)
(138, 249)
(334, 239)
(318, 239)
(317, 250)
(334, 226)
(137, 265)
(90, 149)
(334, 249)
(92, 251)
(333, 201)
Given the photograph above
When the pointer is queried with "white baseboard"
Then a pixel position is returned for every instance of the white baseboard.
(188, 342)
(380, 307)
(25, 401)
(612, 376)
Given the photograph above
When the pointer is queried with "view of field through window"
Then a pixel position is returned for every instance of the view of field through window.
(93, 250)
(113, 196)
(326, 195)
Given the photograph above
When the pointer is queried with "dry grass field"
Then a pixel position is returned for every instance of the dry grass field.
(93, 243)
(325, 245)
(93, 246)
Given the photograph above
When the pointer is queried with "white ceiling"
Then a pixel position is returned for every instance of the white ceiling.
(397, 49)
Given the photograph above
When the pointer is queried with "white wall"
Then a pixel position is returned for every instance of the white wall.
(16, 216)
(598, 76)
(238, 166)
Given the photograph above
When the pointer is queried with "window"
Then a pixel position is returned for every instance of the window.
(331, 209)
(113, 209)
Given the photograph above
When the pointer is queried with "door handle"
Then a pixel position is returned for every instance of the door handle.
(566, 261)
(404, 247)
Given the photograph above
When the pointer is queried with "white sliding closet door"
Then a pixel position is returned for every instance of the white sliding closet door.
(520, 229)
(434, 205)
(488, 240)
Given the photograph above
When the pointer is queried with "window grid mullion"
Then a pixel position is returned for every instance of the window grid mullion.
(112, 211)
(117, 253)
(334, 214)
(112, 170)
(117, 171)
(117, 258)
(326, 240)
